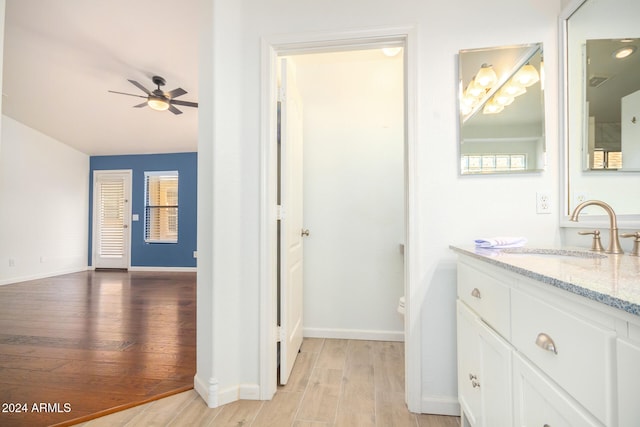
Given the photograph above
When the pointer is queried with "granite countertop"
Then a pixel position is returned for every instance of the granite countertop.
(613, 280)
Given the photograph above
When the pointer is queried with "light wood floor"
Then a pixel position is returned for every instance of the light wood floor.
(334, 383)
(95, 341)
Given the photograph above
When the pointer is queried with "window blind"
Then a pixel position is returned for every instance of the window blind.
(111, 218)
(161, 207)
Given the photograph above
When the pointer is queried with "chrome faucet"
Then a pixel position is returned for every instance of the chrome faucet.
(614, 242)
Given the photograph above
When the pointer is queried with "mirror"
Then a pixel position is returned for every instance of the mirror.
(501, 106)
(612, 95)
(602, 128)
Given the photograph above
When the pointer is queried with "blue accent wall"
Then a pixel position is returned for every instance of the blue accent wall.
(155, 254)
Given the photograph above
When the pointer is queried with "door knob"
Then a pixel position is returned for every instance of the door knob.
(305, 232)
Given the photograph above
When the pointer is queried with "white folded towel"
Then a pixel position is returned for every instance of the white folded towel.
(501, 242)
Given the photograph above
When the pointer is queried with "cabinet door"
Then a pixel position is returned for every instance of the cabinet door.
(468, 365)
(628, 383)
(495, 380)
(484, 372)
(539, 402)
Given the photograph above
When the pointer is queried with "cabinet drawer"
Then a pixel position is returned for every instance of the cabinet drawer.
(539, 402)
(487, 296)
(577, 354)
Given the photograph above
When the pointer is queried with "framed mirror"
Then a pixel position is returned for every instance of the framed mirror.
(602, 104)
(501, 108)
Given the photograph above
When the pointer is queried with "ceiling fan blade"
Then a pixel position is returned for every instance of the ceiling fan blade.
(123, 93)
(144, 104)
(174, 110)
(185, 103)
(139, 86)
(176, 93)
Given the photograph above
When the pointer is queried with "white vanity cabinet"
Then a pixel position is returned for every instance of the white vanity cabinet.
(530, 354)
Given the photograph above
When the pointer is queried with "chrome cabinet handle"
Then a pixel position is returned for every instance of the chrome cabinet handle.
(304, 232)
(545, 342)
(476, 293)
(473, 377)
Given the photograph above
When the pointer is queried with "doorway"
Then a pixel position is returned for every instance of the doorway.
(402, 177)
(353, 189)
(112, 214)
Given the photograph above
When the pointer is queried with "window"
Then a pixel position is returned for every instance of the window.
(161, 207)
(493, 162)
(603, 159)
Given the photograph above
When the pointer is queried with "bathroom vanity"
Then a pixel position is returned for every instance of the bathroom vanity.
(548, 338)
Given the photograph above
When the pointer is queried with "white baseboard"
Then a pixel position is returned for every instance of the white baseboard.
(19, 279)
(214, 397)
(208, 391)
(239, 392)
(440, 405)
(164, 269)
(354, 334)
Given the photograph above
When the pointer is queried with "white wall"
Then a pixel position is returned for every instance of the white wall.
(44, 193)
(3, 5)
(452, 209)
(353, 193)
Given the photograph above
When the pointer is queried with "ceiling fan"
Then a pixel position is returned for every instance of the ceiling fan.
(158, 99)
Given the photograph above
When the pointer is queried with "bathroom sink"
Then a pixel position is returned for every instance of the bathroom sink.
(576, 253)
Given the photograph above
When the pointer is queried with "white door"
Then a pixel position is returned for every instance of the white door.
(111, 219)
(291, 227)
(631, 131)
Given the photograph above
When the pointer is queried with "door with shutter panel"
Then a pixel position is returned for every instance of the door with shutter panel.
(111, 219)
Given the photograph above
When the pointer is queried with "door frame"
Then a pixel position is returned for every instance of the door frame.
(94, 228)
(287, 44)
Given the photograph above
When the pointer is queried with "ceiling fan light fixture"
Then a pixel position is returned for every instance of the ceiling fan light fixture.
(157, 103)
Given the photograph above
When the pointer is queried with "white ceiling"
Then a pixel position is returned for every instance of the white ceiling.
(62, 57)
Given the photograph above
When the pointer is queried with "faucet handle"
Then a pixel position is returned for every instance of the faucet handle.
(636, 243)
(596, 245)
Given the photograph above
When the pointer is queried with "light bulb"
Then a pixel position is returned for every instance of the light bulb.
(492, 107)
(475, 90)
(527, 76)
(486, 76)
(157, 103)
(513, 89)
(624, 52)
(502, 98)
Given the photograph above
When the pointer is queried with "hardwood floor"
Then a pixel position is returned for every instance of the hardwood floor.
(84, 344)
(334, 383)
(110, 346)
